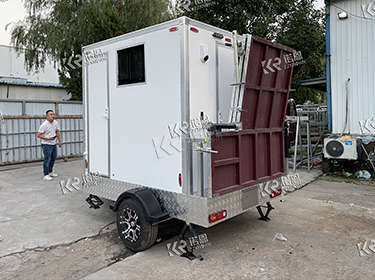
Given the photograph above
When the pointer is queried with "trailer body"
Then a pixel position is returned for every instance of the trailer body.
(158, 103)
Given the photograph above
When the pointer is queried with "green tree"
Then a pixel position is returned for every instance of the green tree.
(246, 16)
(56, 30)
(303, 29)
(293, 23)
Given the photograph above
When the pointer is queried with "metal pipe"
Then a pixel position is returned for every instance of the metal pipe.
(235, 56)
(296, 146)
(286, 140)
(328, 66)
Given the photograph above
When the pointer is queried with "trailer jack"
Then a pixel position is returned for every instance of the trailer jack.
(94, 201)
(262, 216)
(189, 253)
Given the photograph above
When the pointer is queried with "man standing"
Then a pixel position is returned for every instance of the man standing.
(48, 131)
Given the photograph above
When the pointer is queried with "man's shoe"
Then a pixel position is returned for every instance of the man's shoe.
(48, 178)
(53, 174)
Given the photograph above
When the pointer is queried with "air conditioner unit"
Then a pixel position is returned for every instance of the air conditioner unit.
(335, 148)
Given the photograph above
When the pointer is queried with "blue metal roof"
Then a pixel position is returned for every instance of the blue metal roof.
(25, 82)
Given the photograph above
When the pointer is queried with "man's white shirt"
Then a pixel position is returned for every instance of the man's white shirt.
(49, 130)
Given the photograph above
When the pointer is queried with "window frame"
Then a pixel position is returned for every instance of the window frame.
(127, 51)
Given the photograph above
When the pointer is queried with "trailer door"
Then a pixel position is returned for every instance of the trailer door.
(98, 117)
(255, 154)
(224, 79)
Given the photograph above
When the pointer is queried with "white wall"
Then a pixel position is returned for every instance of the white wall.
(353, 56)
(12, 65)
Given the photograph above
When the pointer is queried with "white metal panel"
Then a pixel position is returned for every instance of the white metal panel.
(98, 121)
(35, 109)
(11, 108)
(19, 142)
(224, 79)
(70, 109)
(141, 113)
(202, 75)
(353, 56)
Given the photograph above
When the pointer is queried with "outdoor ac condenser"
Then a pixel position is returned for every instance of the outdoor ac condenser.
(335, 148)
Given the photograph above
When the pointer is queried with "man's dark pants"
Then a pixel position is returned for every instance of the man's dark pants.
(50, 155)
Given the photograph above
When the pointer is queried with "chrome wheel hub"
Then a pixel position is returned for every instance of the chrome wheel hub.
(130, 227)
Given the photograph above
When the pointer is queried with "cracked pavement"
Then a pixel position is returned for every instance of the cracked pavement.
(35, 214)
(45, 234)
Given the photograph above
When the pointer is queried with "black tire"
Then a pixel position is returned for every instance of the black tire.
(136, 233)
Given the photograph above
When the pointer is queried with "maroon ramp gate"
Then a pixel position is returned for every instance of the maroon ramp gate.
(256, 153)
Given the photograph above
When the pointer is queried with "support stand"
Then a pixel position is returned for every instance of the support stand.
(262, 216)
(189, 253)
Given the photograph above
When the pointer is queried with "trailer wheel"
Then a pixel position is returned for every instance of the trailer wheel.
(136, 233)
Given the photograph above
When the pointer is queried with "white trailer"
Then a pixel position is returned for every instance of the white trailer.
(184, 120)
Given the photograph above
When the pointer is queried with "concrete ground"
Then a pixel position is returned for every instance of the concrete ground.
(322, 231)
(322, 222)
(36, 214)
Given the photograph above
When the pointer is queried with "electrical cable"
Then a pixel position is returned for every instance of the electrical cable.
(354, 15)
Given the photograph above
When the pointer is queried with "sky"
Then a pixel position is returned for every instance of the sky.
(13, 11)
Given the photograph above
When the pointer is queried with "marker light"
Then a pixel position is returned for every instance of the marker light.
(179, 179)
(275, 193)
(204, 53)
(173, 29)
(217, 216)
(194, 29)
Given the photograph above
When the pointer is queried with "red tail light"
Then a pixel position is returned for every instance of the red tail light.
(275, 193)
(228, 40)
(218, 216)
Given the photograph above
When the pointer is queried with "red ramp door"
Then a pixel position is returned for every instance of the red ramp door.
(256, 154)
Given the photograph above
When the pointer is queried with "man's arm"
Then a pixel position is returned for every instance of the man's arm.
(41, 136)
(58, 137)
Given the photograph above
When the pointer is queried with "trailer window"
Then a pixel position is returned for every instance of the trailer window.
(131, 65)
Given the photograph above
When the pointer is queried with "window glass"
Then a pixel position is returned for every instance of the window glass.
(131, 65)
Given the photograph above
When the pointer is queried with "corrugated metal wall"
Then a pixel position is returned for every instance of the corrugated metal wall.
(18, 140)
(353, 57)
